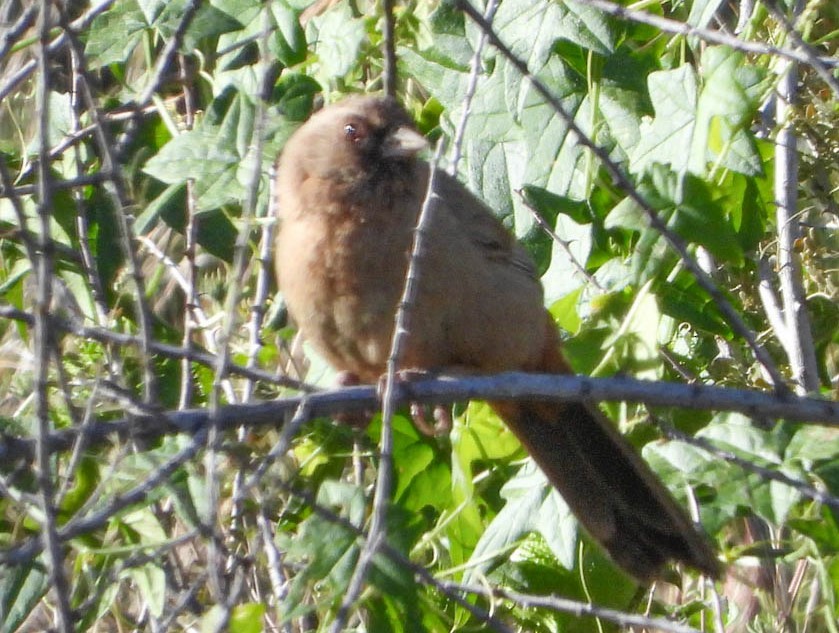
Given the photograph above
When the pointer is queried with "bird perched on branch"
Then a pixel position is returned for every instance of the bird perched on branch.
(350, 187)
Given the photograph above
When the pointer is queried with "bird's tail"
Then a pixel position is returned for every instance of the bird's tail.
(607, 485)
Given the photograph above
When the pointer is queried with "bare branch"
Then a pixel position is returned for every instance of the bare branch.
(44, 342)
(801, 54)
(389, 44)
(378, 527)
(796, 336)
(447, 390)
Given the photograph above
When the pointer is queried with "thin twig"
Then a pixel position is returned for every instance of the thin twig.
(78, 25)
(564, 244)
(677, 27)
(806, 51)
(389, 43)
(79, 525)
(475, 68)
(120, 200)
(109, 337)
(14, 32)
(44, 341)
(769, 300)
(402, 330)
(191, 236)
(574, 607)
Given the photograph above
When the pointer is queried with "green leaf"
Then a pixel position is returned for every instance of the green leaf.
(21, 588)
(208, 22)
(150, 581)
(564, 311)
(200, 154)
(84, 483)
(683, 299)
(824, 531)
(769, 499)
(732, 90)
(338, 36)
(326, 550)
(549, 204)
(288, 42)
(664, 138)
(531, 28)
(247, 618)
(114, 34)
(532, 505)
(702, 12)
(216, 155)
(814, 444)
(294, 95)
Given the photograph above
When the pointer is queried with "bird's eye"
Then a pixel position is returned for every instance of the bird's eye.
(351, 132)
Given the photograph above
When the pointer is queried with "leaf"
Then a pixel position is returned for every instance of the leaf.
(702, 12)
(477, 435)
(208, 22)
(549, 204)
(198, 154)
(731, 93)
(114, 34)
(664, 138)
(769, 499)
(247, 618)
(289, 41)
(326, 550)
(531, 28)
(338, 36)
(532, 505)
(216, 155)
(150, 581)
(813, 444)
(21, 589)
(687, 206)
(683, 299)
(565, 313)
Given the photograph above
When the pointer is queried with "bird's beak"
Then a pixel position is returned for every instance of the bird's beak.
(403, 142)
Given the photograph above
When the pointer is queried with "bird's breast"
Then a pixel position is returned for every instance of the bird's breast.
(341, 277)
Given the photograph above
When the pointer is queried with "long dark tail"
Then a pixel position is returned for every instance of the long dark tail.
(610, 489)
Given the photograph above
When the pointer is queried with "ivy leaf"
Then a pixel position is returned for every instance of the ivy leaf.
(114, 34)
(664, 138)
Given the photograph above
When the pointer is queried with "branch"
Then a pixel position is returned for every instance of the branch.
(796, 337)
(801, 54)
(401, 331)
(579, 609)
(444, 390)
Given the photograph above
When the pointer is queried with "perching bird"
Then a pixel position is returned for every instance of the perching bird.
(350, 187)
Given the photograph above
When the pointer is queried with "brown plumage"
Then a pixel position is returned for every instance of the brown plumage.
(350, 188)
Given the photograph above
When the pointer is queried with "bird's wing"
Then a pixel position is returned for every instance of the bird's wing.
(482, 226)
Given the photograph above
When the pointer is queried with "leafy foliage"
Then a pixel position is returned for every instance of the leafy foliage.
(171, 114)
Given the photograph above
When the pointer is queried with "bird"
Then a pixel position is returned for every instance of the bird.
(350, 185)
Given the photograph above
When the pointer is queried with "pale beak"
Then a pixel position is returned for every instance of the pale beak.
(403, 142)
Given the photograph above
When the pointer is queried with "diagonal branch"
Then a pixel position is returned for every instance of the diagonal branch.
(676, 243)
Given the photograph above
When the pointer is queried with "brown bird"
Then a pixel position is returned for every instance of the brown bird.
(350, 187)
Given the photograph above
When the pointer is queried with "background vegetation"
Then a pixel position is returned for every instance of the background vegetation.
(672, 166)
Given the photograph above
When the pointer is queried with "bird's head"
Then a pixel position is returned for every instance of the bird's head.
(357, 138)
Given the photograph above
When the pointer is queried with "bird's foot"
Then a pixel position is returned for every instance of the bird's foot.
(442, 424)
(355, 419)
